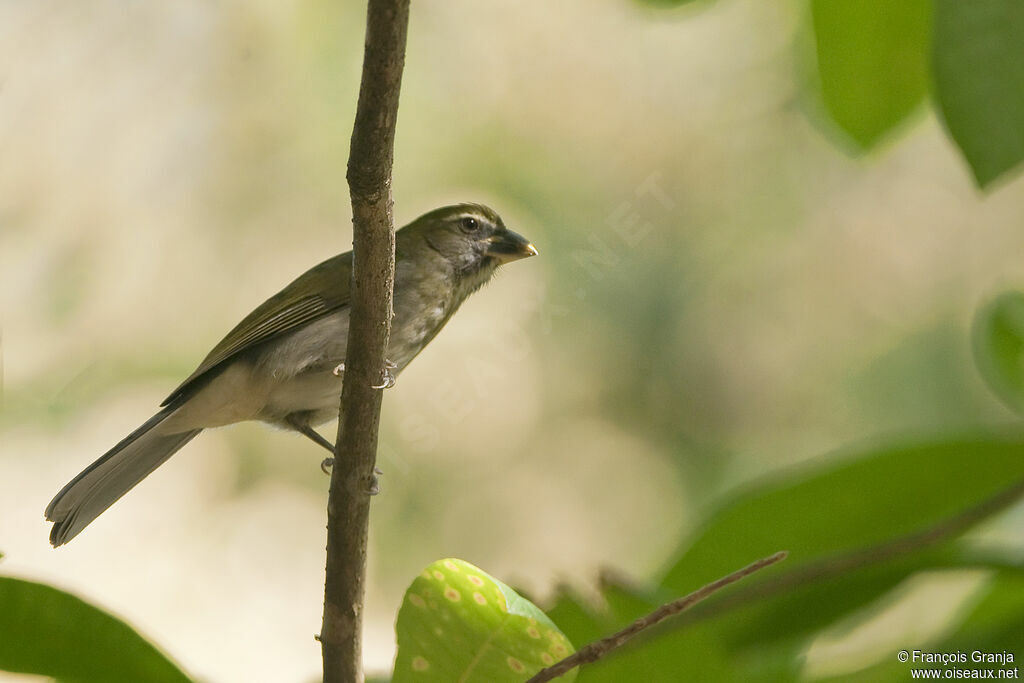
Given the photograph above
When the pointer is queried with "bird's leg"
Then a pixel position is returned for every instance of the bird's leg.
(327, 463)
(389, 378)
(316, 438)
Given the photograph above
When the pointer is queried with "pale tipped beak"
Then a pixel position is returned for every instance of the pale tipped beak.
(508, 246)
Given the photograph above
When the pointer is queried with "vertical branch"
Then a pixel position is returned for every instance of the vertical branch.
(373, 272)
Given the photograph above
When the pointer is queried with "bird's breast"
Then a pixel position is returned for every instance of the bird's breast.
(415, 324)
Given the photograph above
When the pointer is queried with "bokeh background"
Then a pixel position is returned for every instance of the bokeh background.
(723, 290)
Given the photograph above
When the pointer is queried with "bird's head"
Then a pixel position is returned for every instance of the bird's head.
(472, 238)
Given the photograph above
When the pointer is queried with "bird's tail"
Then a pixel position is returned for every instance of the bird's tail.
(102, 483)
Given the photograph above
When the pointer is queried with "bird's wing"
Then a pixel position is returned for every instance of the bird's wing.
(328, 286)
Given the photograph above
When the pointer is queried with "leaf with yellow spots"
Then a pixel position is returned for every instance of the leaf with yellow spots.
(459, 624)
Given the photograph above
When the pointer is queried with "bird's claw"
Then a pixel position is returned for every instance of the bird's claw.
(374, 483)
(389, 377)
(339, 370)
(328, 463)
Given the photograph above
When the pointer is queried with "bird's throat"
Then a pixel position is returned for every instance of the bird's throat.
(473, 277)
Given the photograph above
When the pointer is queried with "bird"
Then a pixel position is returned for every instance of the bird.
(283, 364)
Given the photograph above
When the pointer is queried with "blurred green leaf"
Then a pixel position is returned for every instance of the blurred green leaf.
(850, 504)
(818, 513)
(665, 653)
(786, 620)
(845, 504)
(694, 654)
(872, 61)
(890, 669)
(993, 624)
(922, 380)
(459, 623)
(691, 655)
(578, 620)
(979, 81)
(848, 501)
(48, 632)
(998, 339)
(996, 622)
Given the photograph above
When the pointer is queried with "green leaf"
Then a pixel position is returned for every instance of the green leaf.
(979, 81)
(994, 624)
(694, 654)
(457, 623)
(665, 653)
(998, 339)
(48, 632)
(842, 505)
(872, 62)
(839, 505)
(690, 655)
(786, 620)
(578, 620)
(847, 501)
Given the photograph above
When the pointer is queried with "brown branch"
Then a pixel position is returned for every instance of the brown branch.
(373, 273)
(599, 648)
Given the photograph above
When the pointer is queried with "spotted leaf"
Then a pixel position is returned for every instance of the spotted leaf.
(458, 623)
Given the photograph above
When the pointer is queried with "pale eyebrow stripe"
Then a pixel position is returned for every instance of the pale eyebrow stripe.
(479, 215)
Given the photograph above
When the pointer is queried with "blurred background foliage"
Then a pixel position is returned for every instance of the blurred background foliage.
(758, 245)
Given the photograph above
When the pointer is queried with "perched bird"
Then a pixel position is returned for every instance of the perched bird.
(283, 364)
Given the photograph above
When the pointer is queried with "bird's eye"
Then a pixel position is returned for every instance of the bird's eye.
(470, 224)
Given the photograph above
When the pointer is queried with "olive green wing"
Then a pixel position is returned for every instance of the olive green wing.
(317, 292)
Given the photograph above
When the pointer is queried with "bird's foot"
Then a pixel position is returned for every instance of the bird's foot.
(374, 488)
(339, 370)
(327, 463)
(389, 377)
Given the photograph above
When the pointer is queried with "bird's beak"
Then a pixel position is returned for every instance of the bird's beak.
(508, 246)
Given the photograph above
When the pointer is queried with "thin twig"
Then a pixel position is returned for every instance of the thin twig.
(373, 271)
(599, 648)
